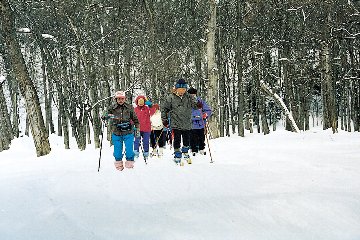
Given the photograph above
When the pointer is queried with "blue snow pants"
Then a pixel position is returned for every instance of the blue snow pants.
(119, 141)
(145, 136)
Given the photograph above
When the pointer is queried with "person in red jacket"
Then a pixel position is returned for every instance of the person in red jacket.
(143, 113)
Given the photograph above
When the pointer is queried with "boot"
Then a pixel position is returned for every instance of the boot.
(161, 151)
(129, 164)
(119, 165)
(202, 152)
(153, 153)
(187, 158)
(177, 156)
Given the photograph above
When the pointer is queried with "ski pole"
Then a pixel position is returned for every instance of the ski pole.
(207, 139)
(102, 137)
(142, 149)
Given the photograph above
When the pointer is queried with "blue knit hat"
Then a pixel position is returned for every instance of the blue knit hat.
(181, 83)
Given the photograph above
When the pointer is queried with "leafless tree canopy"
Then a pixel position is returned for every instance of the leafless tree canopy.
(77, 53)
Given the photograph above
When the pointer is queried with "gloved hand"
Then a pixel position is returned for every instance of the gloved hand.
(165, 123)
(137, 132)
(199, 104)
(107, 116)
(204, 116)
(148, 103)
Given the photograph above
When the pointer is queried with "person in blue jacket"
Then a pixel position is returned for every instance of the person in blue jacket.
(198, 117)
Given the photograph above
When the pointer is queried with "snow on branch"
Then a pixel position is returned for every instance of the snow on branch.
(281, 103)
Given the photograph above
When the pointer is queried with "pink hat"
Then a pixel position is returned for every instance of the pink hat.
(120, 94)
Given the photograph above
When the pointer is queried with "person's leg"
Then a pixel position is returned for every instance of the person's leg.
(186, 145)
(194, 141)
(153, 139)
(201, 137)
(153, 142)
(177, 144)
(145, 142)
(118, 147)
(185, 140)
(129, 150)
(118, 151)
(136, 145)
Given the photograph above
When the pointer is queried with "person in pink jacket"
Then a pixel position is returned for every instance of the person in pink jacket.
(143, 113)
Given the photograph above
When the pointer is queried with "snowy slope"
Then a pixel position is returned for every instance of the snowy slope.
(279, 186)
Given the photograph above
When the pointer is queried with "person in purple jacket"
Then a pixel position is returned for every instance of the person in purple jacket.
(199, 116)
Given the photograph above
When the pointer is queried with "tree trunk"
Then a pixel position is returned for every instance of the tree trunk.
(281, 103)
(212, 71)
(239, 68)
(27, 88)
(328, 91)
(6, 135)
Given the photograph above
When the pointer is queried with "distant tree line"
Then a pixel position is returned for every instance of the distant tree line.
(63, 60)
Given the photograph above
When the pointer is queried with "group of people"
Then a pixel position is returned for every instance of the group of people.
(145, 125)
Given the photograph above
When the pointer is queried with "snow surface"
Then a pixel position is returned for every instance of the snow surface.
(282, 186)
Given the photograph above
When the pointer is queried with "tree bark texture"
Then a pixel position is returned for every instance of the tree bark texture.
(26, 86)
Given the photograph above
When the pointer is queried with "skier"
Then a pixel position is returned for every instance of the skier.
(123, 122)
(142, 111)
(199, 116)
(157, 136)
(179, 105)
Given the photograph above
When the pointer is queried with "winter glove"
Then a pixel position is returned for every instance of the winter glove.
(148, 103)
(137, 133)
(199, 104)
(204, 116)
(165, 123)
(107, 116)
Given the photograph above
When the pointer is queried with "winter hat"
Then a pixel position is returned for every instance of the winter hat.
(138, 98)
(181, 83)
(120, 94)
(192, 90)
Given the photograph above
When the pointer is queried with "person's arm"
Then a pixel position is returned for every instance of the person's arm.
(206, 109)
(108, 114)
(193, 101)
(165, 109)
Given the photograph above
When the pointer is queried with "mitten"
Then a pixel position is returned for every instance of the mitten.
(204, 116)
(137, 133)
(148, 103)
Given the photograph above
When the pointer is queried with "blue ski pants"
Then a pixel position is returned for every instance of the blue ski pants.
(145, 137)
(119, 141)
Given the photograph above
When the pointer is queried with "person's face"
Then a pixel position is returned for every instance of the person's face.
(120, 100)
(141, 102)
(181, 91)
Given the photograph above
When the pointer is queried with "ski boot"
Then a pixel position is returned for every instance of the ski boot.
(129, 164)
(187, 158)
(146, 156)
(177, 158)
(119, 165)
(160, 152)
(153, 153)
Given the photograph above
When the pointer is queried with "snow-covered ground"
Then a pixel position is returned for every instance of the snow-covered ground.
(282, 186)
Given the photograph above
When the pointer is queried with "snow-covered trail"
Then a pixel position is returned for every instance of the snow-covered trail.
(280, 186)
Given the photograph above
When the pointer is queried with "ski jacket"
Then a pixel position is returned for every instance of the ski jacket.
(123, 120)
(156, 122)
(197, 118)
(143, 114)
(179, 109)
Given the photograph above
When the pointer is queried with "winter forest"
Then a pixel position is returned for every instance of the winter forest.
(255, 62)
